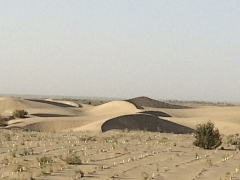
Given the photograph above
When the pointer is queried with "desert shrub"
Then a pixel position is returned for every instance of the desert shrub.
(233, 140)
(79, 173)
(17, 168)
(206, 136)
(19, 113)
(2, 121)
(44, 160)
(73, 159)
(209, 162)
(144, 176)
(7, 136)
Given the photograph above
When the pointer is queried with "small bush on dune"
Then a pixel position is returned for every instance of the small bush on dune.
(2, 121)
(207, 136)
(19, 113)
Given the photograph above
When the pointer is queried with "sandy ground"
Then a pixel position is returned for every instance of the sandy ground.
(159, 144)
(113, 155)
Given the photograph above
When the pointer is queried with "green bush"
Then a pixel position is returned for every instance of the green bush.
(207, 136)
(19, 113)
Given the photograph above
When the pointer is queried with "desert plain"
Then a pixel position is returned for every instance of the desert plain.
(132, 139)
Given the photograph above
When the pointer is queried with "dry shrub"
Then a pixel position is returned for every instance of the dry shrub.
(44, 160)
(2, 121)
(73, 159)
(233, 140)
(19, 113)
(17, 168)
(79, 173)
(144, 176)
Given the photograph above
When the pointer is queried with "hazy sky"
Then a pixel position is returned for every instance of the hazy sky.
(164, 49)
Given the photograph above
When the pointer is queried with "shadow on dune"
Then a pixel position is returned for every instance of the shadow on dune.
(51, 126)
(13, 127)
(50, 115)
(156, 113)
(144, 122)
(52, 103)
(16, 122)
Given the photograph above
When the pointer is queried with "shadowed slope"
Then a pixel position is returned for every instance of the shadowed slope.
(54, 125)
(148, 102)
(60, 104)
(50, 115)
(156, 113)
(144, 122)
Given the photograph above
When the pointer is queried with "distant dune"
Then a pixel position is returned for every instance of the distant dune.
(141, 102)
(8, 105)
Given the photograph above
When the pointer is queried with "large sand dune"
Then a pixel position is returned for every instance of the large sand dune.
(51, 115)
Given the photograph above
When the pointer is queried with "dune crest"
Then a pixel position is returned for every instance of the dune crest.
(113, 107)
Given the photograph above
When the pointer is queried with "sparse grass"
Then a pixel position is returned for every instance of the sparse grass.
(111, 154)
(209, 163)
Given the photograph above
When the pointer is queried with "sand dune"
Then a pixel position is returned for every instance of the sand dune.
(48, 115)
(113, 107)
(148, 102)
(8, 105)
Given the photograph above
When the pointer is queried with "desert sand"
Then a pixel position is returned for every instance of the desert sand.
(129, 139)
